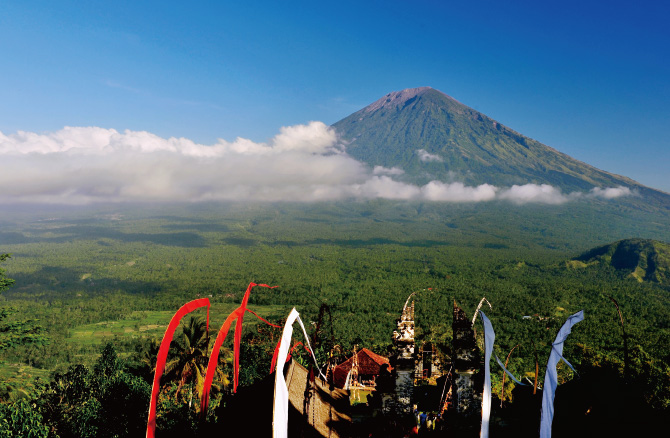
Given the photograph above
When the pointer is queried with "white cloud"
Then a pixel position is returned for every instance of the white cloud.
(81, 165)
(458, 192)
(546, 194)
(381, 170)
(610, 192)
(426, 156)
(543, 194)
(316, 138)
(385, 187)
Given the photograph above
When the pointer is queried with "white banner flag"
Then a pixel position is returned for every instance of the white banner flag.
(489, 339)
(551, 377)
(280, 411)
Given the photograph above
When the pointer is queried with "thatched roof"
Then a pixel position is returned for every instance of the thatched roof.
(369, 364)
(325, 410)
(322, 413)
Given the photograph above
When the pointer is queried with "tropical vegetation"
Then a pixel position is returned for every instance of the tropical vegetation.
(93, 292)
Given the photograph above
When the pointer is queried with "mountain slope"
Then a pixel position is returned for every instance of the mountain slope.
(642, 259)
(432, 136)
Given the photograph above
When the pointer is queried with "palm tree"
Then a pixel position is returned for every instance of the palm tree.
(188, 364)
(145, 355)
(189, 361)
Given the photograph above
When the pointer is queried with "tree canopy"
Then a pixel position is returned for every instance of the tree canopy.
(4, 281)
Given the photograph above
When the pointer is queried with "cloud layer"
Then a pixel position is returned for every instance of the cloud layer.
(302, 163)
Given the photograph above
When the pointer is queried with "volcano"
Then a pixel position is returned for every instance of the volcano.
(431, 136)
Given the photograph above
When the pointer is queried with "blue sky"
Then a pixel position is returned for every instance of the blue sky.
(591, 79)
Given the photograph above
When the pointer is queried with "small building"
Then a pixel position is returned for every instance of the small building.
(369, 367)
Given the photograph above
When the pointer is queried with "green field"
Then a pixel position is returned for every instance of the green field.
(150, 324)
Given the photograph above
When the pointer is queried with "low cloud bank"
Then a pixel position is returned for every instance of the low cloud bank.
(302, 163)
(546, 194)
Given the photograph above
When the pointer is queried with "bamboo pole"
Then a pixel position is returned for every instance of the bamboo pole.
(537, 367)
(502, 391)
(626, 370)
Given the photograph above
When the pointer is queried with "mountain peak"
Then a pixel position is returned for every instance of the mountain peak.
(398, 98)
(431, 136)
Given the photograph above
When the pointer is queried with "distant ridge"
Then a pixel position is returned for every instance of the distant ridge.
(431, 136)
(642, 259)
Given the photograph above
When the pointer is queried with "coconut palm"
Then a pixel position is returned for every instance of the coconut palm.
(188, 364)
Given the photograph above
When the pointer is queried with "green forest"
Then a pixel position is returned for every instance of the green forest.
(87, 294)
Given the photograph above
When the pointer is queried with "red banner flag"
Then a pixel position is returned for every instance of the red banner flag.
(237, 314)
(162, 356)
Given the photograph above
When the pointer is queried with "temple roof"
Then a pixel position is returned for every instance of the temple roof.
(369, 363)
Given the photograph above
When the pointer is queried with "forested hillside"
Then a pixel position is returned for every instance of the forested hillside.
(642, 259)
(83, 279)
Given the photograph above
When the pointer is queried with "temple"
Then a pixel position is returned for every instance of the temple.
(368, 393)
